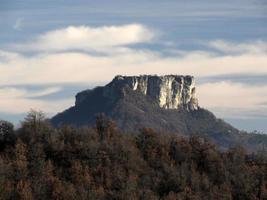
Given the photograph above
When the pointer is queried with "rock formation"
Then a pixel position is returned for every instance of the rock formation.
(169, 91)
(167, 104)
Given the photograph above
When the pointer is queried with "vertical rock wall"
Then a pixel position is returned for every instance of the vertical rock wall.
(170, 91)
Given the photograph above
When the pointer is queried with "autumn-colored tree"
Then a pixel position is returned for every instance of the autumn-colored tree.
(24, 190)
(105, 127)
(102, 162)
(20, 163)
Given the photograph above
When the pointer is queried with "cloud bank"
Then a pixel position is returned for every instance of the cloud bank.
(89, 38)
(83, 54)
(17, 101)
(234, 100)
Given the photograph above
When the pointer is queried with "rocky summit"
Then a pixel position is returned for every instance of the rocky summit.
(169, 91)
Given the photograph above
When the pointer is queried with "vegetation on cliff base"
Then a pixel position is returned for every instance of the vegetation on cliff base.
(41, 162)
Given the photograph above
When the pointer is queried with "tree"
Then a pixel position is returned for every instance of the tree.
(35, 127)
(21, 161)
(24, 190)
(105, 127)
(6, 133)
(34, 119)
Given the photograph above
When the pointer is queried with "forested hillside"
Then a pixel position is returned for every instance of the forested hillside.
(41, 162)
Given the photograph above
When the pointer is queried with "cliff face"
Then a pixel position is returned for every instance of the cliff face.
(170, 91)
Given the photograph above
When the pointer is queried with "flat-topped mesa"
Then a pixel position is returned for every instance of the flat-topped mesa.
(170, 91)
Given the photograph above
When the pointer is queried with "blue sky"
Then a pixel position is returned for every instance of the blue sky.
(49, 50)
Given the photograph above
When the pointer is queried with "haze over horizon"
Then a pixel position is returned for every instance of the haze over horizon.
(51, 50)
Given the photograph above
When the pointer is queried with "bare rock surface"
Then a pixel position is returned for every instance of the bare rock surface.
(169, 91)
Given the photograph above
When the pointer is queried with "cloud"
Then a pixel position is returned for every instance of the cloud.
(256, 47)
(45, 92)
(75, 67)
(89, 38)
(14, 92)
(17, 101)
(235, 100)
(18, 24)
(65, 56)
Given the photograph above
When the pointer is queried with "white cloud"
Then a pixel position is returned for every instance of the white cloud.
(234, 100)
(45, 92)
(18, 24)
(15, 92)
(17, 101)
(56, 64)
(89, 38)
(72, 67)
(256, 47)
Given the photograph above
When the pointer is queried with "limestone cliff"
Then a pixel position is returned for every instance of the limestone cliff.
(169, 91)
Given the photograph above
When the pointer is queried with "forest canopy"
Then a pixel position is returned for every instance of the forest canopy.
(38, 161)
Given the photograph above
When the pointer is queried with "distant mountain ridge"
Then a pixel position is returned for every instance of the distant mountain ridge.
(167, 104)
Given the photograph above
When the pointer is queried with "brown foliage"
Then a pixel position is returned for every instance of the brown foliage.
(102, 163)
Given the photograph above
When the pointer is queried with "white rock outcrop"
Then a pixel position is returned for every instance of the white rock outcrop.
(170, 91)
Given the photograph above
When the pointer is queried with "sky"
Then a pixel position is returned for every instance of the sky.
(50, 50)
